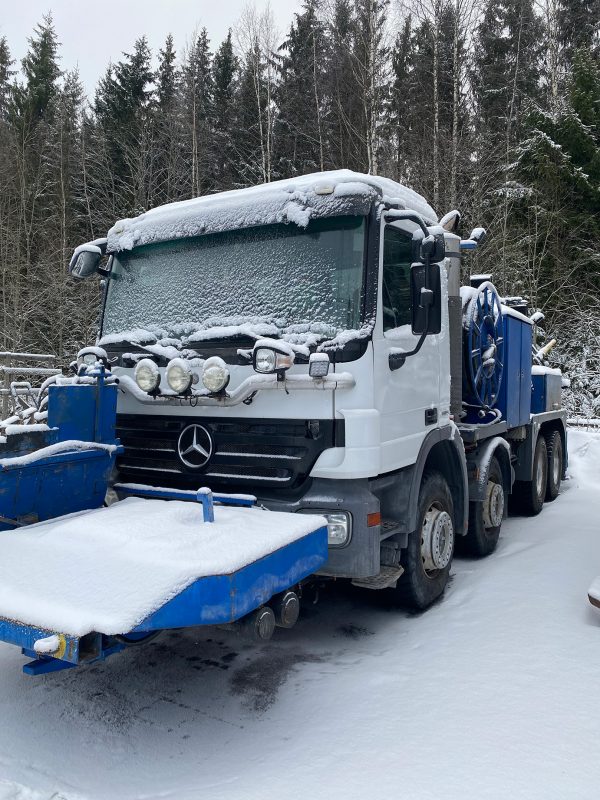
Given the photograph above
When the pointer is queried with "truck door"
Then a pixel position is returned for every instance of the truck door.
(408, 398)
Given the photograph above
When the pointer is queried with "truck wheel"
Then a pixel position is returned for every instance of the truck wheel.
(485, 518)
(428, 556)
(530, 494)
(555, 465)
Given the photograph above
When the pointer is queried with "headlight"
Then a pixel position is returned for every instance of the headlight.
(271, 355)
(215, 375)
(264, 360)
(147, 375)
(339, 525)
(179, 375)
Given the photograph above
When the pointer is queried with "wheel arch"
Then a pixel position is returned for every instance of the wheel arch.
(479, 462)
(444, 452)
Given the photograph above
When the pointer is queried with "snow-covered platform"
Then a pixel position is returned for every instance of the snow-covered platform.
(148, 564)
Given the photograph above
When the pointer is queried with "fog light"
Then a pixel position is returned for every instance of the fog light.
(147, 375)
(339, 525)
(215, 375)
(318, 365)
(179, 375)
(91, 355)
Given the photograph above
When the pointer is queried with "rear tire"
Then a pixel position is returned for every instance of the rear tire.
(485, 518)
(554, 446)
(530, 495)
(428, 556)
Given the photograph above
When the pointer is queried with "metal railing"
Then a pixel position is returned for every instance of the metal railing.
(12, 368)
(584, 422)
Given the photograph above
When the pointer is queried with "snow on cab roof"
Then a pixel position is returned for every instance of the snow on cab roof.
(298, 200)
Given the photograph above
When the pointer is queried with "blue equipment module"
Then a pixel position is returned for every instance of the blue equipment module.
(514, 399)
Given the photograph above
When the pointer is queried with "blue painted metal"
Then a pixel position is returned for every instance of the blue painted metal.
(67, 482)
(545, 392)
(217, 599)
(206, 498)
(43, 665)
(212, 600)
(26, 636)
(181, 494)
(84, 411)
(515, 393)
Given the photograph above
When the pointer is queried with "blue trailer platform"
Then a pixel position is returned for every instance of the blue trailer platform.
(78, 588)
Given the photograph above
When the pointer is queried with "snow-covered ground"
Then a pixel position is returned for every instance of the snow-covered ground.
(493, 693)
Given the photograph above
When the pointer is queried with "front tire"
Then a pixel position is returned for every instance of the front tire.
(485, 518)
(530, 495)
(554, 447)
(428, 556)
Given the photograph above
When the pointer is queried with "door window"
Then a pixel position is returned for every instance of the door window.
(397, 258)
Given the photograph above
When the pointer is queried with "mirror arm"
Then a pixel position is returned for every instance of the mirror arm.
(412, 216)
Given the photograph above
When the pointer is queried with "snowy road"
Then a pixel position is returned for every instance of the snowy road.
(493, 693)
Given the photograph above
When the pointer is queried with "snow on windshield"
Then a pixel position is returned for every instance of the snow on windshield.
(305, 285)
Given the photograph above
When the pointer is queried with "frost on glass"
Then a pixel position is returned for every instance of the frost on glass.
(306, 284)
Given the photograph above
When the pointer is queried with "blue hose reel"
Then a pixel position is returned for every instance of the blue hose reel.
(483, 331)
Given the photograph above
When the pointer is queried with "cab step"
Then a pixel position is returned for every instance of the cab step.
(387, 578)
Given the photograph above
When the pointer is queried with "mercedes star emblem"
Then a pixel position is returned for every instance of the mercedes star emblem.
(194, 446)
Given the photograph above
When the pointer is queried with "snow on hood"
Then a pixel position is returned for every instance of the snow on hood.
(298, 200)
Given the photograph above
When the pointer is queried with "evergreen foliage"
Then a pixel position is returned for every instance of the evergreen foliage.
(493, 108)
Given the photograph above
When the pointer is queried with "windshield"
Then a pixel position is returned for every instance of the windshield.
(304, 284)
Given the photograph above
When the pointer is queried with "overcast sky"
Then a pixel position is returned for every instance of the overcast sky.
(94, 33)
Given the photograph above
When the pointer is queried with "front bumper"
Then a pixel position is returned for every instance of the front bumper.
(359, 557)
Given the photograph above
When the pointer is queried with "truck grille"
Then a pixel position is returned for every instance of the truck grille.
(247, 455)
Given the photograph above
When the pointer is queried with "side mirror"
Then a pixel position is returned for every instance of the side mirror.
(85, 261)
(431, 247)
(478, 235)
(422, 276)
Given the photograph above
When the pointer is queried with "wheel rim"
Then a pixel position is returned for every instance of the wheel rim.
(437, 539)
(539, 477)
(556, 465)
(493, 505)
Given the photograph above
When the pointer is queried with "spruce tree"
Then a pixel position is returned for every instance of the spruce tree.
(579, 24)
(225, 70)
(345, 113)
(370, 66)
(249, 120)
(167, 129)
(167, 77)
(123, 107)
(6, 74)
(506, 68)
(40, 68)
(399, 111)
(299, 131)
(197, 90)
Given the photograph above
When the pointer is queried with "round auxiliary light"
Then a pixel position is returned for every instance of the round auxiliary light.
(179, 375)
(215, 375)
(147, 375)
